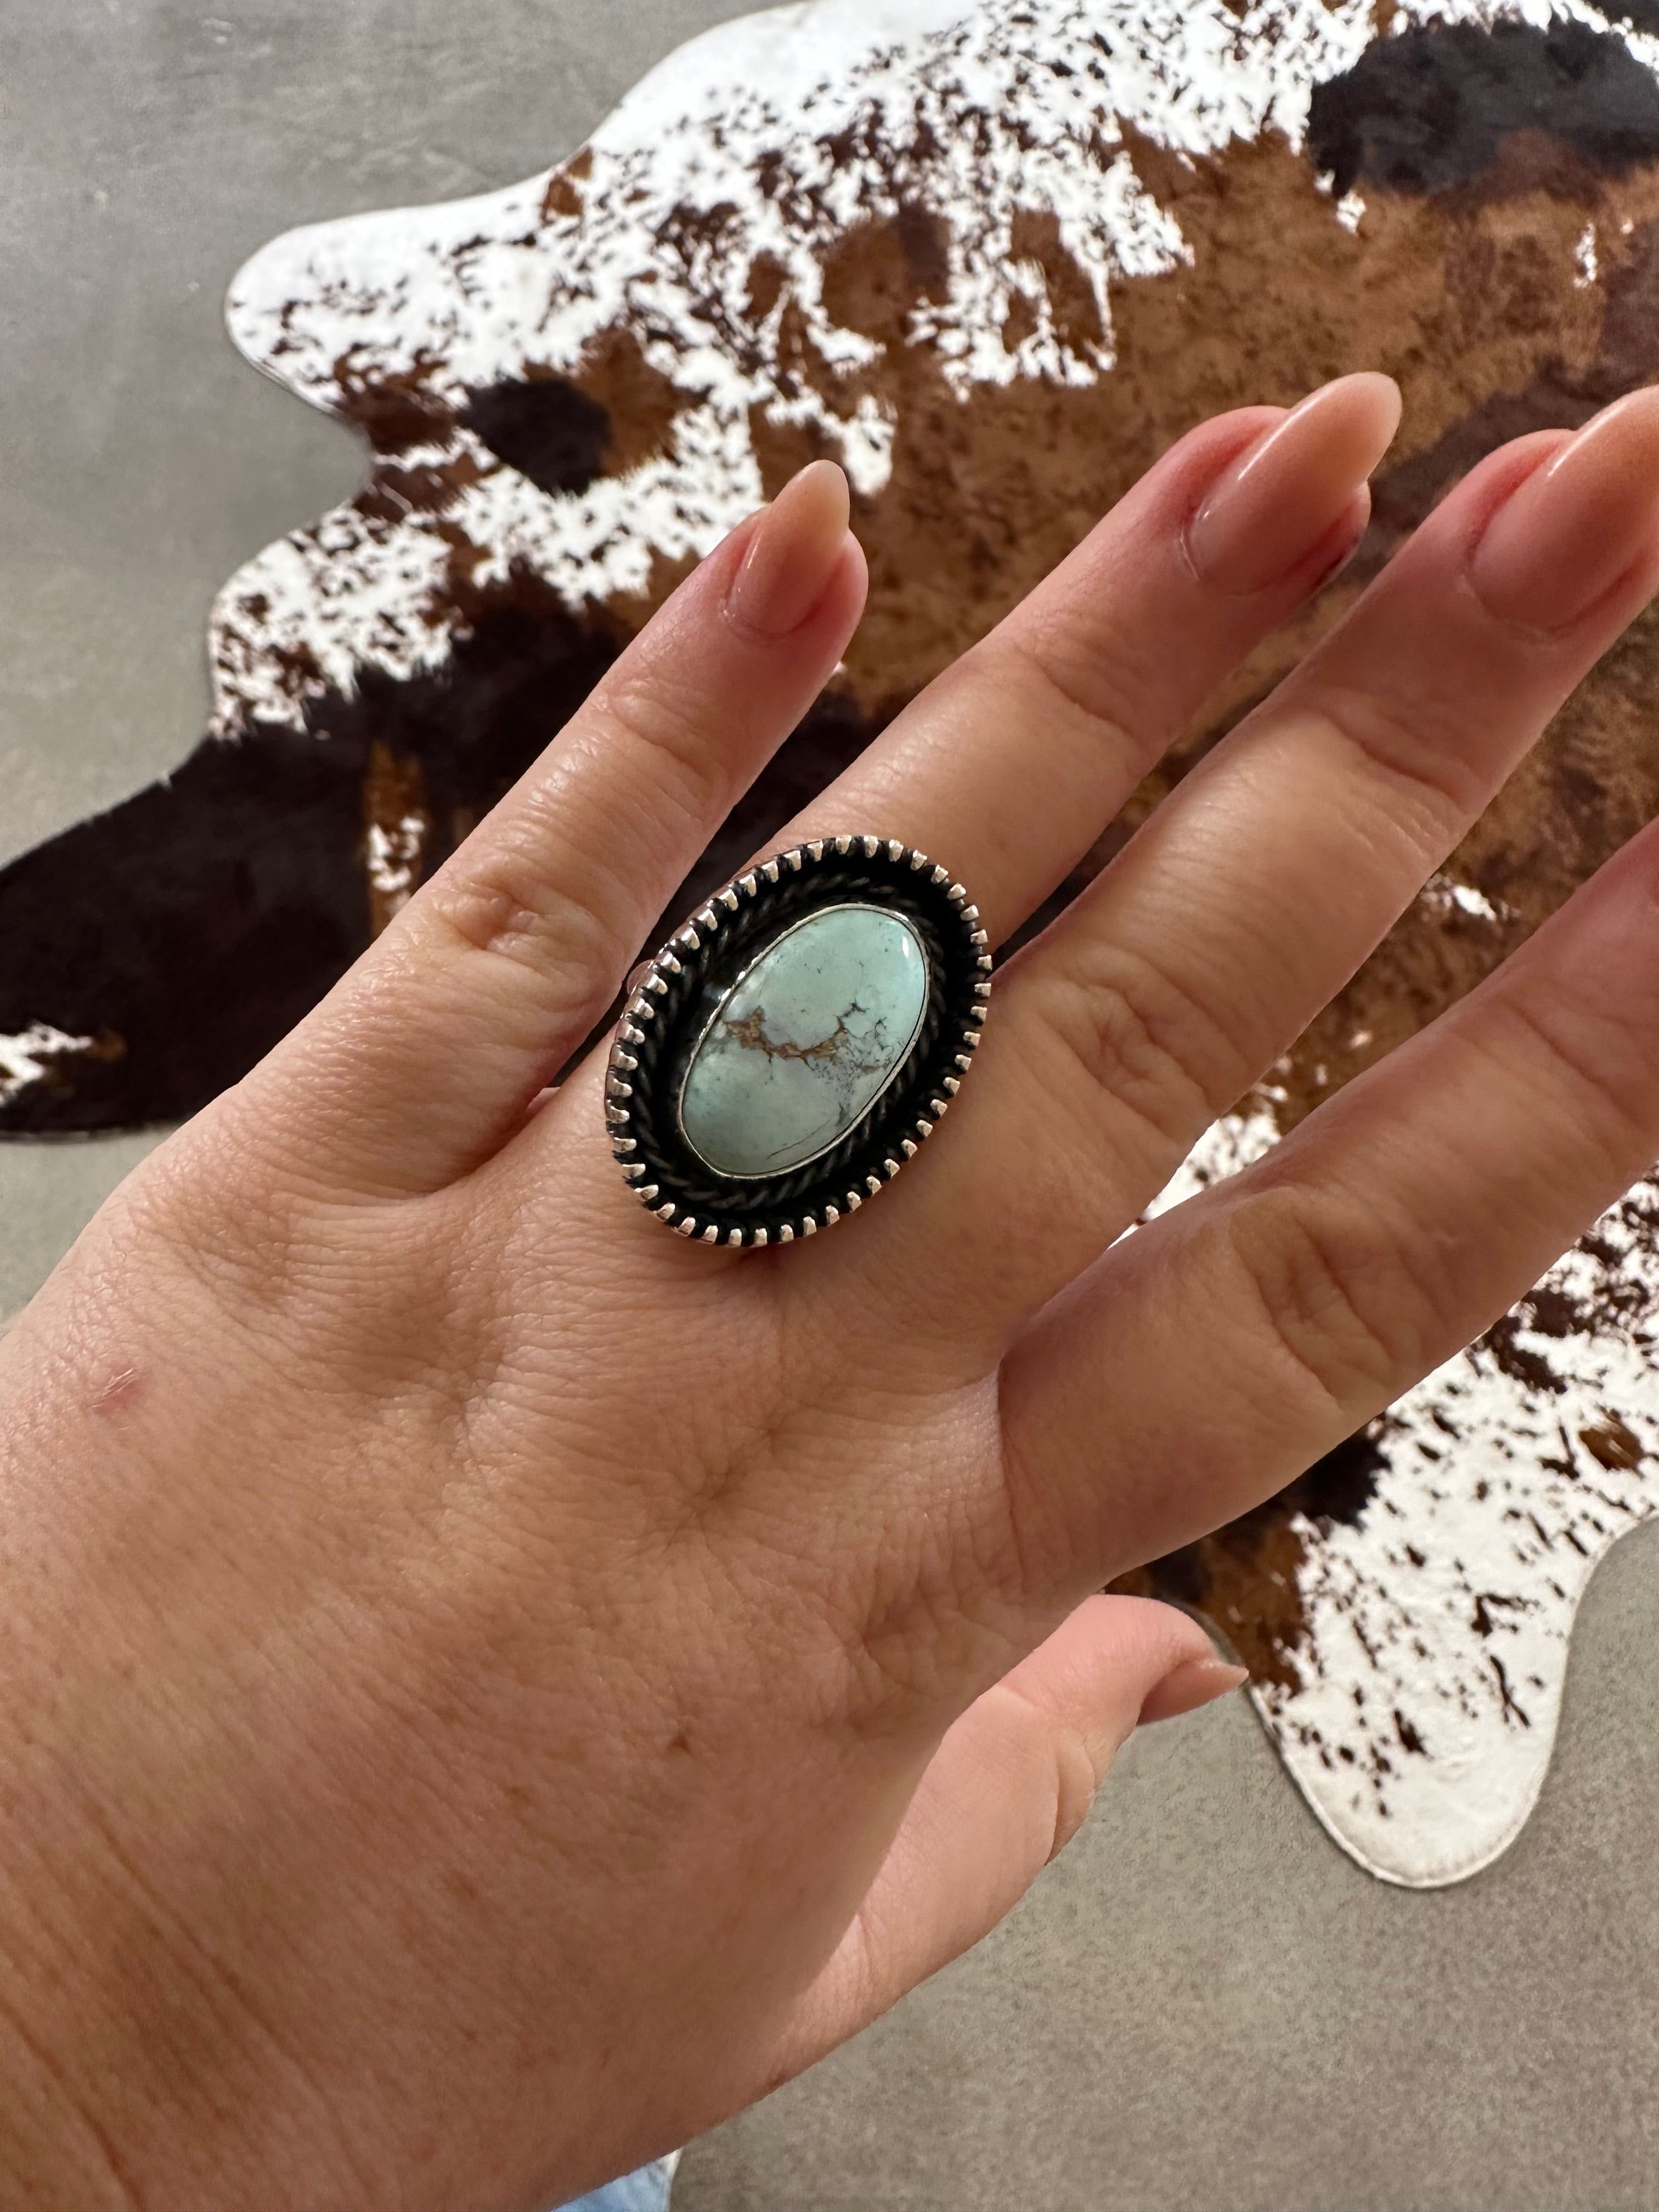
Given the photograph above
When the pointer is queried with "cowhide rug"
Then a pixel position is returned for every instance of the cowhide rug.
(993, 255)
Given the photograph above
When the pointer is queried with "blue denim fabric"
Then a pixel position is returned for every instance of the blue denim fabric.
(645, 2190)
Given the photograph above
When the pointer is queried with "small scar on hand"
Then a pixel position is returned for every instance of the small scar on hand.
(119, 1391)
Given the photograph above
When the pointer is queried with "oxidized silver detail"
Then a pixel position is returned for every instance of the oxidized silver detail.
(633, 1075)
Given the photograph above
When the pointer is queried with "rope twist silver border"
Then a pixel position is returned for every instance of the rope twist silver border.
(669, 1000)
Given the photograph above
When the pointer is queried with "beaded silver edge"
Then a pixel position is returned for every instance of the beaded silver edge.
(702, 930)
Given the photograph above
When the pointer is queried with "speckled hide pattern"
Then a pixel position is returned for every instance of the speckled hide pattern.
(994, 258)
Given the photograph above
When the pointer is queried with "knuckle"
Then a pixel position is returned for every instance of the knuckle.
(262, 1253)
(537, 889)
(1073, 680)
(1146, 1043)
(211, 1195)
(1340, 1302)
(1076, 1785)
(1605, 1102)
(512, 900)
(667, 728)
(1420, 751)
(1073, 1778)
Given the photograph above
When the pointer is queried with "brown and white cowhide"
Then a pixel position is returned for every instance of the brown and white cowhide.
(992, 255)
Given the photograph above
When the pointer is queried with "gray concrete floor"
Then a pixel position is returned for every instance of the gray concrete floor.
(1203, 2004)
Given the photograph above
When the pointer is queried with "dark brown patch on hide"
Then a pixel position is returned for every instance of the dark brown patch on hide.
(1245, 1576)
(563, 195)
(202, 918)
(397, 832)
(545, 427)
(564, 432)
(1430, 109)
(394, 409)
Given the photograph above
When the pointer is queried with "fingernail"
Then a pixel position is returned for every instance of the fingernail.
(1196, 1682)
(1347, 537)
(1564, 537)
(794, 552)
(1272, 507)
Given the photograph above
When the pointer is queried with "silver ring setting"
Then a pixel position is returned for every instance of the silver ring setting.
(797, 1041)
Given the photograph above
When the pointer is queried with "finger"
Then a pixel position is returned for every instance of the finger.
(1021, 753)
(1010, 765)
(1008, 1788)
(428, 1053)
(1253, 894)
(1283, 1309)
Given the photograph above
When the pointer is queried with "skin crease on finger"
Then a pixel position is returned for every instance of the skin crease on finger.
(486, 1688)
(1147, 1010)
(1083, 660)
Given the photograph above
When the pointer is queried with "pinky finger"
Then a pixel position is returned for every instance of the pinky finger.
(425, 1057)
(1284, 1309)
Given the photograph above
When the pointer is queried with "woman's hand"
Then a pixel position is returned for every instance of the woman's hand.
(489, 1687)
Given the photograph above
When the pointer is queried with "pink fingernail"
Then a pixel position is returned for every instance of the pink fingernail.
(792, 553)
(1270, 509)
(1563, 539)
(1196, 1682)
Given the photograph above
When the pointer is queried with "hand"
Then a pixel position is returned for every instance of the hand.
(488, 1687)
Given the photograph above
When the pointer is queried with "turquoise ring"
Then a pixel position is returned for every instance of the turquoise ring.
(798, 1041)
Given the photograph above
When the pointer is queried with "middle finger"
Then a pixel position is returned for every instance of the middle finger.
(1008, 766)
(1251, 896)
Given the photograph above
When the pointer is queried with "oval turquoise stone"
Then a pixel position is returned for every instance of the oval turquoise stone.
(805, 1042)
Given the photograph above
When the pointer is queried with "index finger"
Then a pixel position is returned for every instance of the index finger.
(425, 1057)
